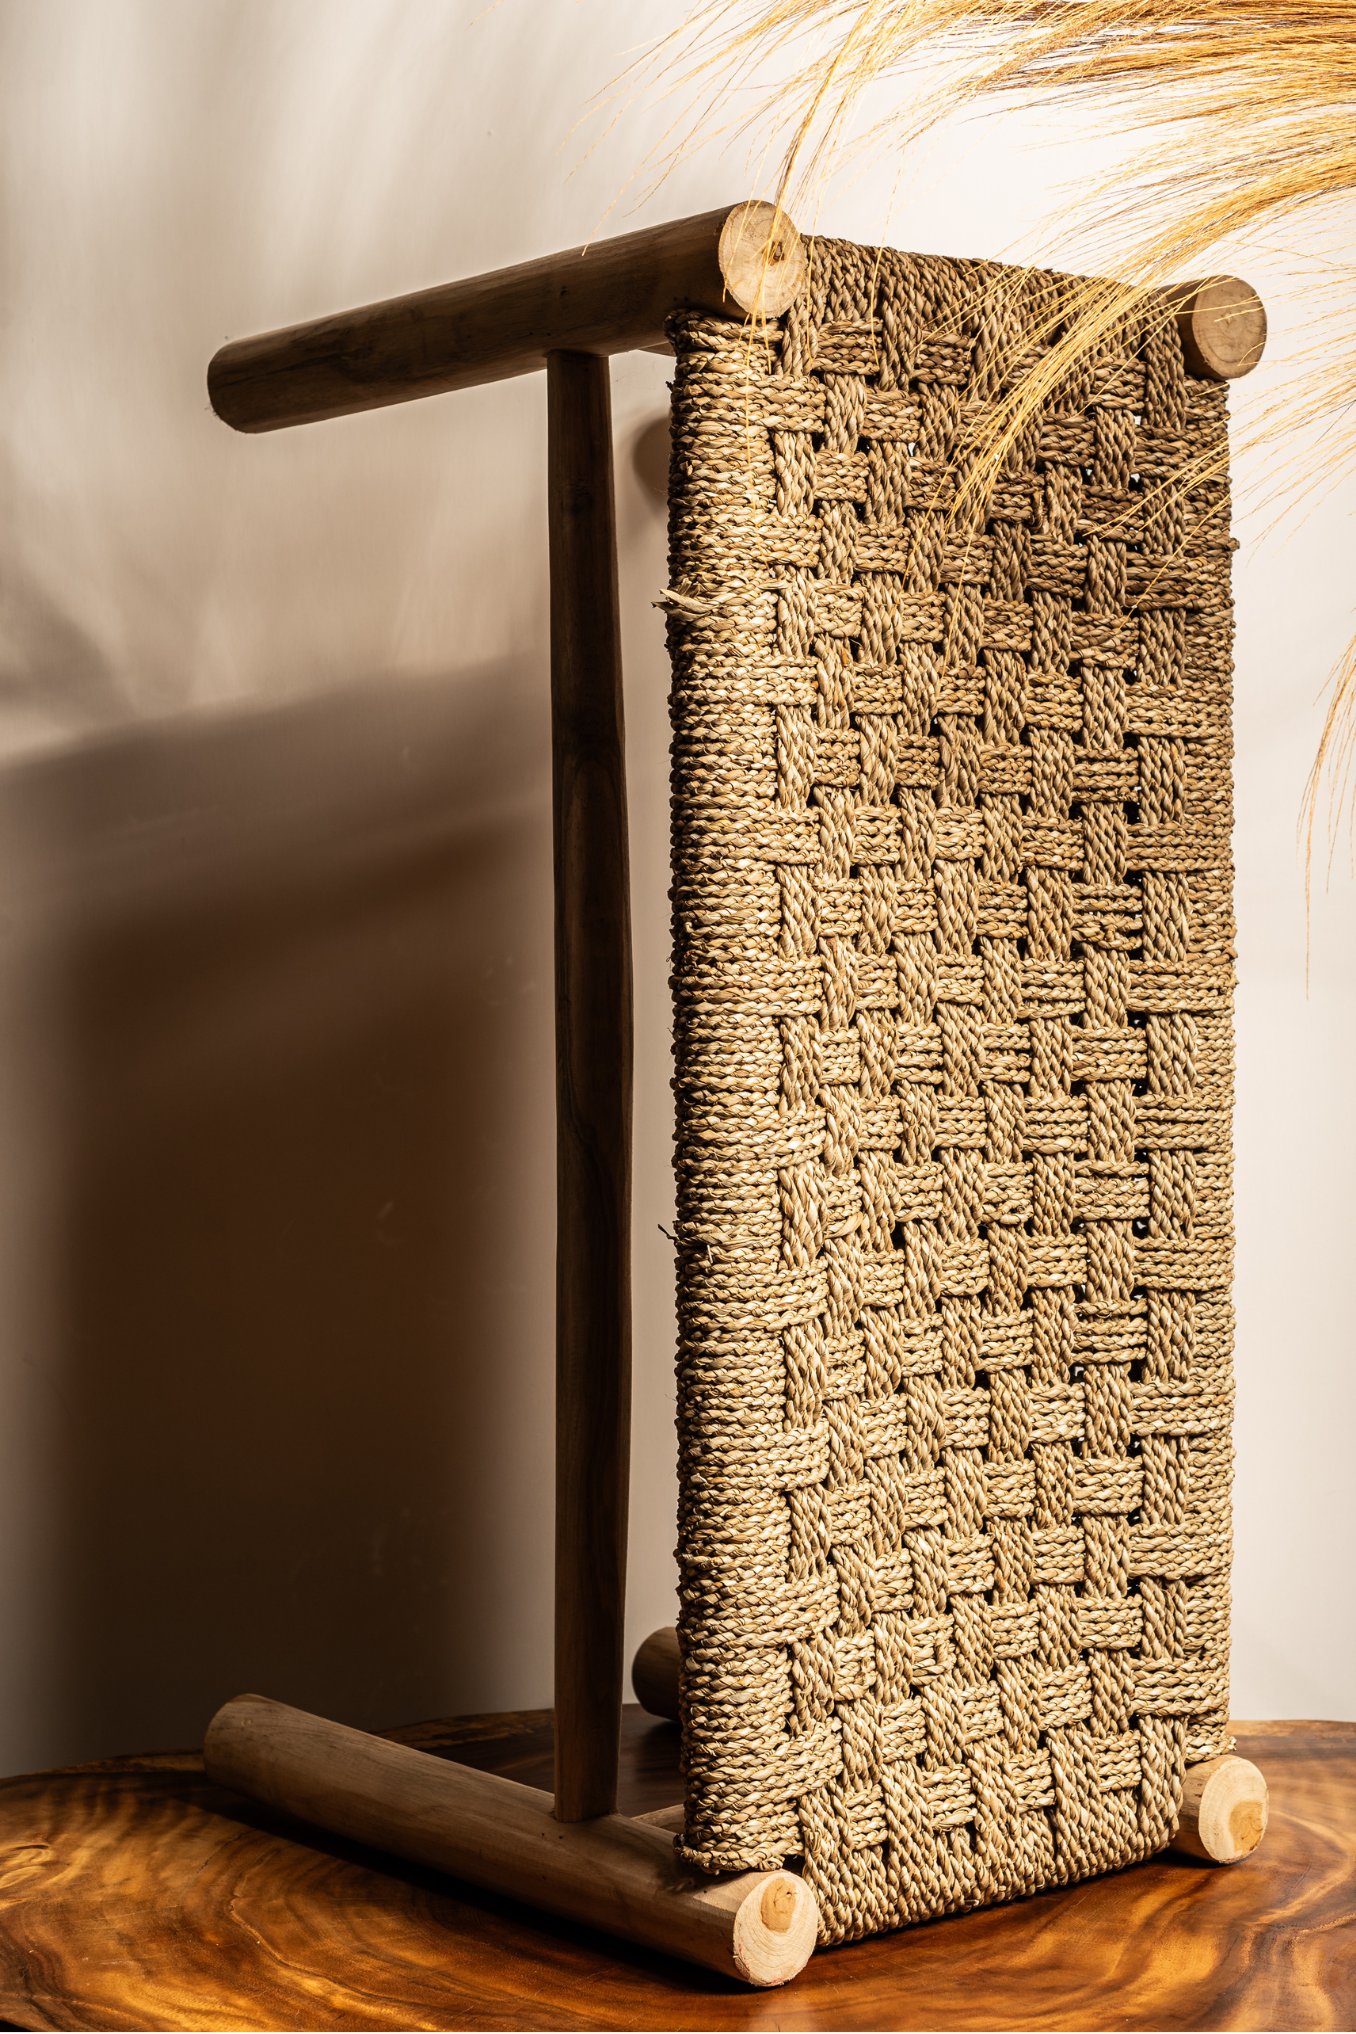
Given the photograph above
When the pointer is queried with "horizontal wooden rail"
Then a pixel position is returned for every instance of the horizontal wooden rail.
(611, 1873)
(611, 297)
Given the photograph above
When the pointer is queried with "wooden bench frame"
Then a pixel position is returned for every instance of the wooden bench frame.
(567, 314)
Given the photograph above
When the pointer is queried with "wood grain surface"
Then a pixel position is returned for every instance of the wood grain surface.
(137, 1895)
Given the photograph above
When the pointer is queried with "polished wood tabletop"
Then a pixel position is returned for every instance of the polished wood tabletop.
(135, 1894)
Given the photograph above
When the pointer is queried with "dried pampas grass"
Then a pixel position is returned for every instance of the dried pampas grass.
(1238, 117)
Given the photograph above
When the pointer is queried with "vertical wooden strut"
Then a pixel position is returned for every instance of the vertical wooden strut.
(593, 1087)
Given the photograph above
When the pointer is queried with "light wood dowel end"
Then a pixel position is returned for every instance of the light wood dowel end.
(1224, 1810)
(778, 1919)
(775, 1929)
(1223, 327)
(762, 259)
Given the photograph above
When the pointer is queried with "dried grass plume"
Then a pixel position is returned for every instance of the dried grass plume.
(1238, 117)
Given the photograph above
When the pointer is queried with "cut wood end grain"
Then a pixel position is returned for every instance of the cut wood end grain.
(1223, 327)
(1224, 1810)
(778, 1903)
(762, 258)
(775, 1930)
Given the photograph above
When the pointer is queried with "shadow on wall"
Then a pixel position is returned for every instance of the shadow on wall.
(296, 1252)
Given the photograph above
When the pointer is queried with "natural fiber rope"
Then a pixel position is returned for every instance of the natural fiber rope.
(953, 947)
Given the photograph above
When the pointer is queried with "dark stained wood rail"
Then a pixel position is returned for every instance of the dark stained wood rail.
(134, 1894)
(610, 297)
(592, 886)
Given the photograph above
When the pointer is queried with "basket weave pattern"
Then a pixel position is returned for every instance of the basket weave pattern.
(953, 961)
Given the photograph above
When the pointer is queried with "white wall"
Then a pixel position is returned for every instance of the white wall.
(275, 1059)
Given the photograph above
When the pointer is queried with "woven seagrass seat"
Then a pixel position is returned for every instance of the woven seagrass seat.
(953, 969)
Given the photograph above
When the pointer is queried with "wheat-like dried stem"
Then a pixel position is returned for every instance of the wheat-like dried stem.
(1241, 113)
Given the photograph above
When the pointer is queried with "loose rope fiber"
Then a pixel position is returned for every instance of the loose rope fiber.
(953, 963)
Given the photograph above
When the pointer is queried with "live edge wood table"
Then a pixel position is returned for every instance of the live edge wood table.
(135, 1894)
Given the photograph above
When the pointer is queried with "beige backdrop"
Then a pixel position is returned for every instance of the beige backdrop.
(275, 1047)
